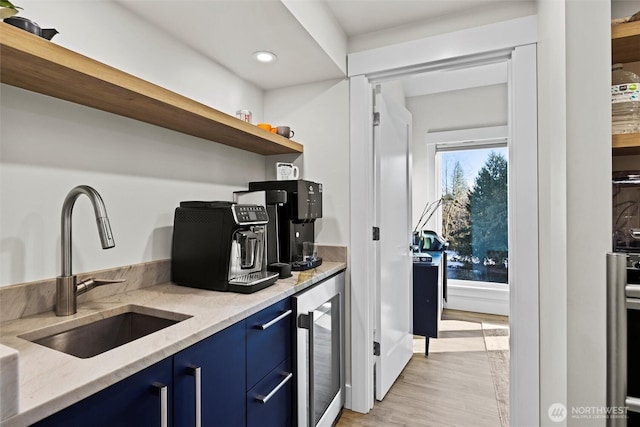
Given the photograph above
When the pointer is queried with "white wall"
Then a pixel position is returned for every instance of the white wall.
(463, 109)
(49, 146)
(574, 195)
(319, 114)
(624, 8)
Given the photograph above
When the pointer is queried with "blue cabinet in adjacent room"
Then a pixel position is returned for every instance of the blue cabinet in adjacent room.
(429, 290)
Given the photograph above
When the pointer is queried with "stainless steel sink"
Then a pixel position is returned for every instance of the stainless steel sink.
(93, 335)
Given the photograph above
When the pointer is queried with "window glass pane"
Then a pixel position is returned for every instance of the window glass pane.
(474, 213)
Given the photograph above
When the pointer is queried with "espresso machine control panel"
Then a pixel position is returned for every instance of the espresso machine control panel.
(250, 214)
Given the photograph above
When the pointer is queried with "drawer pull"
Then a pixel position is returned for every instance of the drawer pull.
(274, 321)
(196, 371)
(265, 399)
(162, 391)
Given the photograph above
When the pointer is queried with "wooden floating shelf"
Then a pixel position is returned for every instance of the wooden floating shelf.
(625, 42)
(625, 47)
(33, 63)
(626, 144)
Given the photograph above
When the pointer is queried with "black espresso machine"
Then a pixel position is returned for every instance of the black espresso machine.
(295, 215)
(220, 246)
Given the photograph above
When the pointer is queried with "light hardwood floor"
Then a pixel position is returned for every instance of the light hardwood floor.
(454, 385)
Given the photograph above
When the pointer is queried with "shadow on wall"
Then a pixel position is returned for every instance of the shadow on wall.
(159, 244)
(73, 137)
(12, 249)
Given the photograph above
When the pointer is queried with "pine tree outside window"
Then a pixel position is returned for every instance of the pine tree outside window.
(474, 190)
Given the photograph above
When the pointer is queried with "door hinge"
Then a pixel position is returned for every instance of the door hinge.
(376, 233)
(304, 321)
(376, 119)
(376, 348)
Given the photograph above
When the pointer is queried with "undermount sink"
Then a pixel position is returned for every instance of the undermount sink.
(92, 335)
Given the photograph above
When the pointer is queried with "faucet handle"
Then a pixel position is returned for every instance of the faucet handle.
(90, 283)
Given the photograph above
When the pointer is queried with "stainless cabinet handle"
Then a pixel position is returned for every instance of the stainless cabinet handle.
(196, 371)
(274, 321)
(632, 403)
(265, 399)
(162, 391)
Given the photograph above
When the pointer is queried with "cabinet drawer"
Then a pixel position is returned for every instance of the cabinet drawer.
(268, 340)
(269, 402)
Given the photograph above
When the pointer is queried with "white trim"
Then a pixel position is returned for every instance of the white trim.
(360, 391)
(471, 135)
(444, 48)
(524, 321)
(479, 297)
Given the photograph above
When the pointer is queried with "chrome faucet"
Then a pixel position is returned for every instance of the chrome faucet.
(67, 287)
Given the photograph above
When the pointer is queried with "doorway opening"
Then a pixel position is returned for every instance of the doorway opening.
(511, 42)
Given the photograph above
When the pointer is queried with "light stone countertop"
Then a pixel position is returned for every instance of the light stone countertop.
(50, 380)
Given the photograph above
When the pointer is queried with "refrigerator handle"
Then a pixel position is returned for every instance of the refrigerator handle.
(616, 335)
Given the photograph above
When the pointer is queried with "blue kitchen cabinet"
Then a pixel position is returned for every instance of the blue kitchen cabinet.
(270, 378)
(134, 401)
(220, 360)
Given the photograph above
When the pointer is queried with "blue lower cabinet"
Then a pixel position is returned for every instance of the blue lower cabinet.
(269, 402)
(135, 401)
(268, 340)
(220, 361)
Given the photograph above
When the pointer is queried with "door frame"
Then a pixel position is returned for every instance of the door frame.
(513, 41)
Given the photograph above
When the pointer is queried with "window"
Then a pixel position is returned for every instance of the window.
(474, 213)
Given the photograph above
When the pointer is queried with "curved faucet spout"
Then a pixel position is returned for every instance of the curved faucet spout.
(104, 228)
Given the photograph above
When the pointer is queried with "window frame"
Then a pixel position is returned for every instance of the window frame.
(464, 139)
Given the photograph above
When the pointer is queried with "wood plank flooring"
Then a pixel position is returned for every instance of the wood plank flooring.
(453, 386)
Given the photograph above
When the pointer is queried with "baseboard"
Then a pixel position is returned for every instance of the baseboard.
(347, 396)
(478, 298)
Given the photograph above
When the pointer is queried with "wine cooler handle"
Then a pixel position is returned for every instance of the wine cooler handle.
(305, 321)
(196, 372)
(163, 392)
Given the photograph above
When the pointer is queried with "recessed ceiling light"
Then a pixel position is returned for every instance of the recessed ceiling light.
(265, 57)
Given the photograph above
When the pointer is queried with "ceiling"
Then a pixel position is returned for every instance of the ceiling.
(230, 31)
(385, 14)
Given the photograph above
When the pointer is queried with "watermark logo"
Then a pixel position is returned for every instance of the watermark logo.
(557, 412)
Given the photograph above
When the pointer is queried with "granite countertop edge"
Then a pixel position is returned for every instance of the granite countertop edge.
(50, 381)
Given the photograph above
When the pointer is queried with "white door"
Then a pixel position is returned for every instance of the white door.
(394, 289)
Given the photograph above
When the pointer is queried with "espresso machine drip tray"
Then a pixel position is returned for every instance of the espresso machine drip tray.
(306, 265)
(252, 282)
